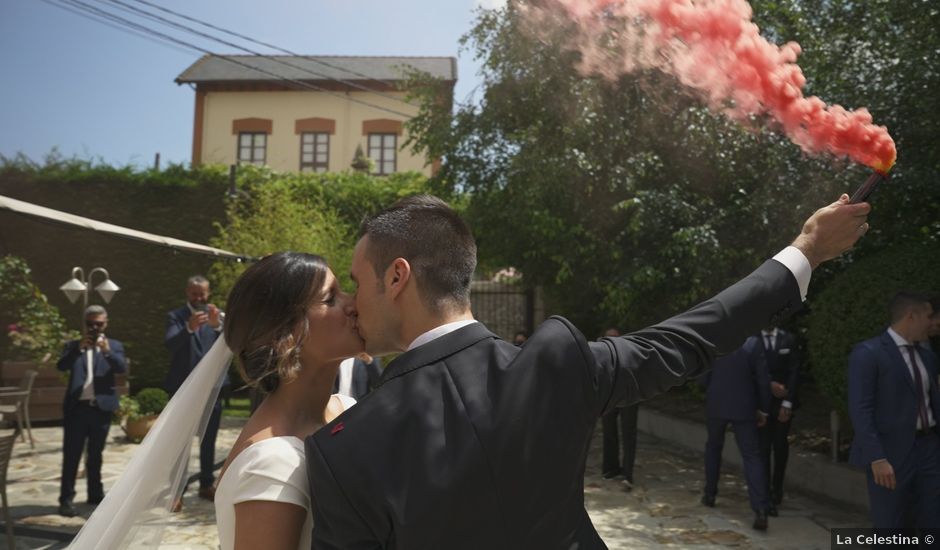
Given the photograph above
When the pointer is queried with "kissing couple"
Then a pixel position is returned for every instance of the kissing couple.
(468, 442)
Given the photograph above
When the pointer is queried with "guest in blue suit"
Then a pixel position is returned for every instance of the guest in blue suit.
(90, 400)
(190, 332)
(894, 405)
(738, 393)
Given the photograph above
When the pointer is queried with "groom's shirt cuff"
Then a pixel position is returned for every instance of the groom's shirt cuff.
(796, 262)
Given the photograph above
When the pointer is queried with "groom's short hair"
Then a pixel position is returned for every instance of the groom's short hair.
(436, 242)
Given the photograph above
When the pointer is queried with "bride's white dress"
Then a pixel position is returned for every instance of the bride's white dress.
(272, 469)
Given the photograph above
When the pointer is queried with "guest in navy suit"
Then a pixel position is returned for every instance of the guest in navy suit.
(90, 400)
(783, 366)
(894, 405)
(738, 393)
(190, 332)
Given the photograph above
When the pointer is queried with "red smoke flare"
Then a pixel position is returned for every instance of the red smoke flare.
(714, 47)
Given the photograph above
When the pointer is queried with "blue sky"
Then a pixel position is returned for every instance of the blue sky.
(96, 92)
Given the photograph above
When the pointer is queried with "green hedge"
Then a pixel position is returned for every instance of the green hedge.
(854, 307)
(189, 204)
(317, 213)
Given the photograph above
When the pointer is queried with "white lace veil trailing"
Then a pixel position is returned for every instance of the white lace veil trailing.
(134, 512)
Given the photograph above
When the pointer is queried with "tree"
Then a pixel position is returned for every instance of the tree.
(360, 162)
(885, 56)
(627, 199)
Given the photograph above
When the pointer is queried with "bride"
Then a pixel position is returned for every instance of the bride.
(289, 326)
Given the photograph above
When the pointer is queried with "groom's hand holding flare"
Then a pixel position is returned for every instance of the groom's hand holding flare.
(832, 230)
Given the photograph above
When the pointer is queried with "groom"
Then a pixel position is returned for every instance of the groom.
(470, 442)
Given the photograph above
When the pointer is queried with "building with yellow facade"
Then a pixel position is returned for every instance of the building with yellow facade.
(308, 113)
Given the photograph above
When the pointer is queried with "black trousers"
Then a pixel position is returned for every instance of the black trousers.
(83, 423)
(612, 436)
(207, 447)
(774, 444)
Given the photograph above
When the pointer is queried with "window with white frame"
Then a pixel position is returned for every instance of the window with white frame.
(314, 152)
(252, 147)
(383, 150)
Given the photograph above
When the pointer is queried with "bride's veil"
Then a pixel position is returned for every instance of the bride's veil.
(134, 512)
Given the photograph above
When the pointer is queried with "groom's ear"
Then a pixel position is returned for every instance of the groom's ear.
(397, 276)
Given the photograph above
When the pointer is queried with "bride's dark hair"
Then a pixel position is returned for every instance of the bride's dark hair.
(266, 319)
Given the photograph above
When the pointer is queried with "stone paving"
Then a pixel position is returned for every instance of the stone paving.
(662, 510)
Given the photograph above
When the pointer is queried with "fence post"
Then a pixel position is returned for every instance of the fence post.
(834, 434)
(232, 172)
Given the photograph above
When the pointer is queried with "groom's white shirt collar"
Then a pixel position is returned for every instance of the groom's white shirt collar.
(436, 333)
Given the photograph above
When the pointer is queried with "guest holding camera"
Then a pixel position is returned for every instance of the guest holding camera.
(90, 400)
(190, 332)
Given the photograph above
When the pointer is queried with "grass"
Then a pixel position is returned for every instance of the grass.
(238, 407)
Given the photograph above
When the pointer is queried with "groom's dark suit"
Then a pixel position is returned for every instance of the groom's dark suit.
(470, 442)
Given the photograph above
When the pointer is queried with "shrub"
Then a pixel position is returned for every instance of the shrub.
(152, 401)
(36, 329)
(853, 307)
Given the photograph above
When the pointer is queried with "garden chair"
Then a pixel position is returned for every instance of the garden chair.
(16, 401)
(6, 451)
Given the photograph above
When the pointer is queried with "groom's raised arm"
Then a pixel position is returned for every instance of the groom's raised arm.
(648, 362)
(336, 523)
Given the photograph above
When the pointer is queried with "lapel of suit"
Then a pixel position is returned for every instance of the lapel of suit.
(894, 353)
(435, 350)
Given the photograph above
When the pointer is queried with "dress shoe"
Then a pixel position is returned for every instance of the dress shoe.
(772, 511)
(760, 521)
(67, 510)
(708, 500)
(94, 501)
(207, 493)
(610, 475)
(177, 505)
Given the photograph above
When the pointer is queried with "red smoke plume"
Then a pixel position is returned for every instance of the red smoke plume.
(714, 47)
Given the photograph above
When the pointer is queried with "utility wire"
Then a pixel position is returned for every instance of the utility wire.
(103, 21)
(126, 22)
(185, 28)
(258, 42)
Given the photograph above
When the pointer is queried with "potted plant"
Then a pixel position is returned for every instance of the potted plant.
(141, 411)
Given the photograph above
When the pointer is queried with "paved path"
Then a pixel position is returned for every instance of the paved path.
(663, 509)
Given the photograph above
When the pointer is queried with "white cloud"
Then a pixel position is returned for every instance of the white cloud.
(490, 4)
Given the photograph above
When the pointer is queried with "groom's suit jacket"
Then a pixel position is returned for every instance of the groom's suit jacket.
(470, 442)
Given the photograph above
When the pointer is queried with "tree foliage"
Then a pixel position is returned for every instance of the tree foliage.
(883, 55)
(627, 199)
(630, 201)
(854, 307)
(315, 213)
